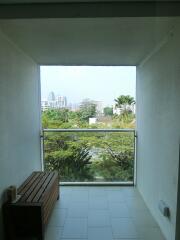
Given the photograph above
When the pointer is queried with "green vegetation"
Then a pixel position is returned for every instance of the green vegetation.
(89, 156)
(87, 110)
(108, 111)
(124, 101)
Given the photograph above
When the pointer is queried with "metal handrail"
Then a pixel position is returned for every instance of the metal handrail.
(88, 130)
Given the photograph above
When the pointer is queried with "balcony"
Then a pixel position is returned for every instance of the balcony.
(101, 156)
(151, 43)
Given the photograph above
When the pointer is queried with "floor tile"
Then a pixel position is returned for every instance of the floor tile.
(97, 192)
(98, 218)
(123, 228)
(136, 203)
(97, 203)
(103, 233)
(80, 196)
(65, 190)
(91, 213)
(76, 205)
(116, 196)
(53, 233)
(58, 217)
(79, 188)
(143, 218)
(149, 233)
(75, 228)
(77, 211)
(130, 192)
(119, 210)
(63, 202)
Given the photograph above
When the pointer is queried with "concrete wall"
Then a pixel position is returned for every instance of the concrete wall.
(19, 116)
(158, 117)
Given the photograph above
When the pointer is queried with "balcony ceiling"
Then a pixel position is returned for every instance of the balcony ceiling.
(98, 41)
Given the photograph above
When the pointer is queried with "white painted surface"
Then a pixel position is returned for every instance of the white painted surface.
(158, 113)
(98, 41)
(19, 116)
(92, 120)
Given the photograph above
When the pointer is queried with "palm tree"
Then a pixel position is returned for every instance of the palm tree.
(124, 101)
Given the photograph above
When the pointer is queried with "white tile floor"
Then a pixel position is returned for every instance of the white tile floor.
(101, 213)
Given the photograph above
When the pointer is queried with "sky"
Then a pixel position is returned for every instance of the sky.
(100, 83)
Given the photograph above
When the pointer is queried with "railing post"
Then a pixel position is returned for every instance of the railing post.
(42, 149)
(135, 158)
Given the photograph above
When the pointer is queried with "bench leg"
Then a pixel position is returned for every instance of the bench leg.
(41, 237)
(58, 197)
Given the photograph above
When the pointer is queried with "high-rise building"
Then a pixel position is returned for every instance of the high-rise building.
(45, 105)
(61, 102)
(54, 102)
(99, 107)
(51, 96)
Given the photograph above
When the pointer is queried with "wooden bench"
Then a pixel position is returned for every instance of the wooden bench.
(29, 215)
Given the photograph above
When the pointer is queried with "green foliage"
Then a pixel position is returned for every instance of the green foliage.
(115, 162)
(55, 118)
(70, 159)
(109, 169)
(57, 115)
(108, 111)
(124, 100)
(89, 156)
(87, 110)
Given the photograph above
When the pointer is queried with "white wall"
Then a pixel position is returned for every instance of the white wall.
(19, 116)
(158, 117)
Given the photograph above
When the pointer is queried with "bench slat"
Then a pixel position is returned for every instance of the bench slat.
(21, 188)
(43, 187)
(45, 193)
(54, 189)
(25, 187)
(37, 188)
(31, 188)
(49, 206)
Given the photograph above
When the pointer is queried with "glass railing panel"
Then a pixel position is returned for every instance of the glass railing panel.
(90, 156)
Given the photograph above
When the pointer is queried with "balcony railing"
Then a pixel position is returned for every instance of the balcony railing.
(98, 156)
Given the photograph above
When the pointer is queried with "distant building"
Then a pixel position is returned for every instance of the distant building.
(54, 102)
(74, 107)
(99, 107)
(45, 105)
(118, 110)
(61, 102)
(92, 120)
(51, 96)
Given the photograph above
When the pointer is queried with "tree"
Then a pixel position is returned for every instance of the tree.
(108, 111)
(57, 114)
(87, 109)
(68, 157)
(124, 102)
(88, 156)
